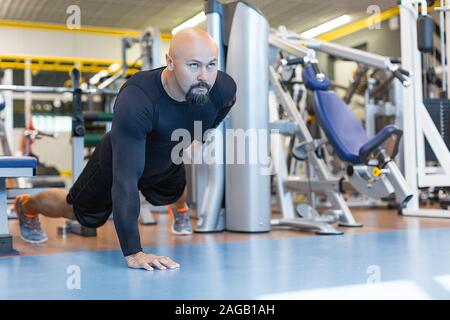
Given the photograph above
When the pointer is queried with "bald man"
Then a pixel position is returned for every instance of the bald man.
(136, 154)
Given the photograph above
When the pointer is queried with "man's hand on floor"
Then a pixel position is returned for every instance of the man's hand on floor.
(149, 261)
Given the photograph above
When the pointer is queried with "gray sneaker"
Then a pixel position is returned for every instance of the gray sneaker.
(30, 228)
(181, 221)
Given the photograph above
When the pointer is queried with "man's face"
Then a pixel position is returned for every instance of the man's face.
(196, 76)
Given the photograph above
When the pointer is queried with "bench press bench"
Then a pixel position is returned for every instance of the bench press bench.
(11, 167)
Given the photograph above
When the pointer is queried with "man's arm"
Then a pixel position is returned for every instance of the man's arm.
(133, 115)
(223, 112)
(131, 122)
(227, 92)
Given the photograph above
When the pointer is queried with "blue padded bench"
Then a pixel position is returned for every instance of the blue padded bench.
(342, 128)
(11, 167)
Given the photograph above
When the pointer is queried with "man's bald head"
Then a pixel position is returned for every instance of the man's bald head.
(191, 42)
(192, 64)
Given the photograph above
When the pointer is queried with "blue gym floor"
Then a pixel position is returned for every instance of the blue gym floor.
(400, 264)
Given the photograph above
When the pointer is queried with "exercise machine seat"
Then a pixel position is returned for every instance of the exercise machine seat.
(341, 126)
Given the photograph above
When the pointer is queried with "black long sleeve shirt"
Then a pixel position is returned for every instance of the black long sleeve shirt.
(140, 140)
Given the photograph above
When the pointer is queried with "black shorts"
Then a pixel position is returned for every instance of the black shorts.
(90, 195)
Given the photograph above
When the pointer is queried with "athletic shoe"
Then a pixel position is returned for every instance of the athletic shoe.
(181, 221)
(30, 227)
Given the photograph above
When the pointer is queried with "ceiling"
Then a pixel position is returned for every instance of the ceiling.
(297, 15)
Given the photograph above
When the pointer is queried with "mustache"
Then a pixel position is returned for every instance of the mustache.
(201, 85)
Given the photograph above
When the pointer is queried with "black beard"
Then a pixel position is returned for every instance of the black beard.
(198, 99)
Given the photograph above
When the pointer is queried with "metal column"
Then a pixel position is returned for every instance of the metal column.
(247, 185)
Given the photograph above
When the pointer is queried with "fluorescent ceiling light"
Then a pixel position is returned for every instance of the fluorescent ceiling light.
(192, 22)
(327, 26)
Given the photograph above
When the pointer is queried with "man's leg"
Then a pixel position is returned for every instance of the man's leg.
(181, 203)
(50, 203)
